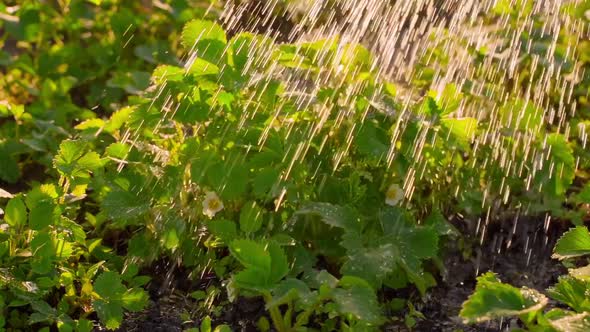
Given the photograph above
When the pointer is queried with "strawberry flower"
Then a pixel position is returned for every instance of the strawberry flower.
(211, 204)
(394, 195)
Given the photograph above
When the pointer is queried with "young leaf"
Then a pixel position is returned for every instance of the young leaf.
(494, 299)
(15, 213)
(73, 162)
(573, 243)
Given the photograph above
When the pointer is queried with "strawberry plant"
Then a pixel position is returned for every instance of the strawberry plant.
(295, 173)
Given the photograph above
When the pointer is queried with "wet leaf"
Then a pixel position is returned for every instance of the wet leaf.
(573, 243)
(573, 292)
(494, 299)
(251, 217)
(206, 38)
(251, 255)
(333, 215)
(359, 301)
(124, 205)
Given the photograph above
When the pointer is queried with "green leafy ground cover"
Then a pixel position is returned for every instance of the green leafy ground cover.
(114, 154)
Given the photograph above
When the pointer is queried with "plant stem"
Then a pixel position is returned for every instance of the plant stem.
(276, 317)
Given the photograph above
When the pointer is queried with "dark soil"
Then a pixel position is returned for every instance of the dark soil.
(523, 264)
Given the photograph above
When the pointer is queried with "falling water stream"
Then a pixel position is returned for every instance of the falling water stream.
(402, 36)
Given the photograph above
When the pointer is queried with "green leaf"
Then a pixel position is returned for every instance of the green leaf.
(114, 296)
(372, 141)
(356, 57)
(73, 162)
(206, 324)
(170, 238)
(250, 279)
(333, 215)
(42, 215)
(69, 152)
(359, 301)
(222, 328)
(206, 38)
(200, 67)
(15, 213)
(450, 99)
(573, 243)
(494, 299)
(109, 286)
(246, 49)
(404, 245)
(223, 229)
(124, 205)
(110, 314)
(279, 267)
(559, 170)
(43, 312)
(264, 181)
(133, 82)
(371, 264)
(573, 292)
(522, 115)
(84, 325)
(461, 129)
(9, 170)
(167, 73)
(287, 291)
(43, 249)
(251, 217)
(583, 197)
(134, 300)
(228, 179)
(439, 223)
(252, 255)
